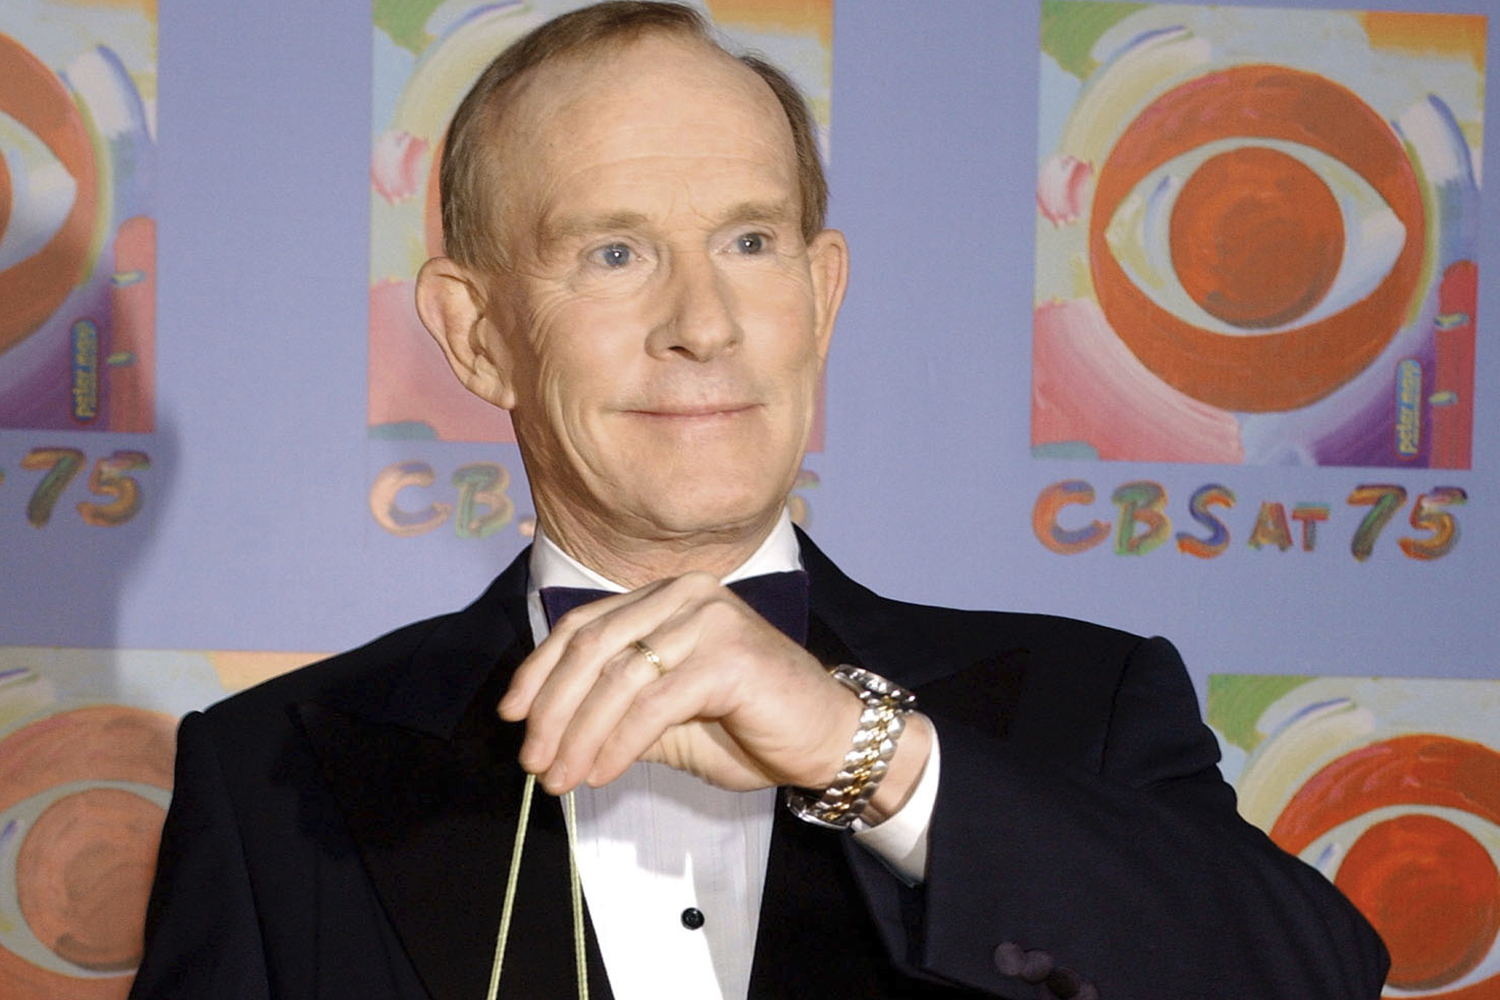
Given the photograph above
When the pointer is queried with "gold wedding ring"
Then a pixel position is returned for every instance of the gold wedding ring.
(650, 655)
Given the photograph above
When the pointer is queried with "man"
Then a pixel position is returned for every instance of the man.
(638, 271)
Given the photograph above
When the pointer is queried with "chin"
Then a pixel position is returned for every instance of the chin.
(706, 505)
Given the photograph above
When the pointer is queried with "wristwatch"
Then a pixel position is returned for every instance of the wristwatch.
(886, 706)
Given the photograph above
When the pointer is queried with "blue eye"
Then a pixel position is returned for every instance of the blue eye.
(614, 255)
(750, 243)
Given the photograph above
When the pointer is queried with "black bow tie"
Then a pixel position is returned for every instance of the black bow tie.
(779, 598)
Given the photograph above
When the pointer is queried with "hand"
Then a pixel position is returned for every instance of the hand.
(737, 703)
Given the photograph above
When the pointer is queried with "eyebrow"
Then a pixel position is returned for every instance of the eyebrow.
(760, 211)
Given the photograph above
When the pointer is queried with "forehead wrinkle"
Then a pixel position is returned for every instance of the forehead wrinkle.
(539, 132)
(551, 229)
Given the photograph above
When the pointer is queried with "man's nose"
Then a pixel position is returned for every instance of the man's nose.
(698, 321)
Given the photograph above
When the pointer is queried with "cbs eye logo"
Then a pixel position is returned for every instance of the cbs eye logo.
(1391, 788)
(83, 793)
(1290, 217)
(49, 202)
(1412, 825)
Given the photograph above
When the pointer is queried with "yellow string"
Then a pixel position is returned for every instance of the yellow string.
(580, 956)
(510, 887)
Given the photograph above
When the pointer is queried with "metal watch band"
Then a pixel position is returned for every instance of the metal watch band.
(886, 706)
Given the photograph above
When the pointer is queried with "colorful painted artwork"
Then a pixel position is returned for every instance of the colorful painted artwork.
(87, 738)
(1256, 235)
(77, 225)
(1391, 788)
(427, 54)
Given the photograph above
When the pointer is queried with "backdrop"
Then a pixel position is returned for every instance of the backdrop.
(1162, 316)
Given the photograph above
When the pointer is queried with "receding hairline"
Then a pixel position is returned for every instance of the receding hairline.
(483, 114)
(497, 113)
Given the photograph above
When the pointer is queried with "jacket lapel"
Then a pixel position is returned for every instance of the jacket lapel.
(960, 669)
(967, 668)
(817, 935)
(426, 779)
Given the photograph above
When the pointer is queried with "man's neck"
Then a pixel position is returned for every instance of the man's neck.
(634, 562)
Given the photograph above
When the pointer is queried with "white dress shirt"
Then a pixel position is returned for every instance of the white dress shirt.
(657, 842)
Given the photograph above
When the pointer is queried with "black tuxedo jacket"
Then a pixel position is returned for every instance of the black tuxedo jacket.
(344, 831)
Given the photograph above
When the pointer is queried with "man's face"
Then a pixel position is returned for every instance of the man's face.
(661, 329)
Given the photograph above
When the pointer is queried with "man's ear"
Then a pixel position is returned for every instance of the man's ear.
(828, 255)
(451, 303)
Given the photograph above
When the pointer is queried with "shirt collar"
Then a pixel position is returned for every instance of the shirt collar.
(552, 567)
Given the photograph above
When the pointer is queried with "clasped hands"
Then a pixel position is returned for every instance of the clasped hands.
(735, 703)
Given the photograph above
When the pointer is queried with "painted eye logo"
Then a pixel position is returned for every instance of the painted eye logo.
(36, 193)
(1241, 238)
(82, 797)
(1256, 238)
(1409, 829)
(48, 198)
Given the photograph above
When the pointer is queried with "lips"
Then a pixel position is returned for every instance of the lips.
(697, 411)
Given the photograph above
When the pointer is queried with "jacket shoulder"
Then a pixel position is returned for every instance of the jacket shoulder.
(1035, 632)
(420, 674)
(963, 635)
(375, 664)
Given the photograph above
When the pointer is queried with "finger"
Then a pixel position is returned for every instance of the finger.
(577, 659)
(538, 666)
(576, 667)
(645, 608)
(709, 752)
(784, 718)
(692, 688)
(582, 702)
(670, 722)
(641, 733)
(609, 700)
